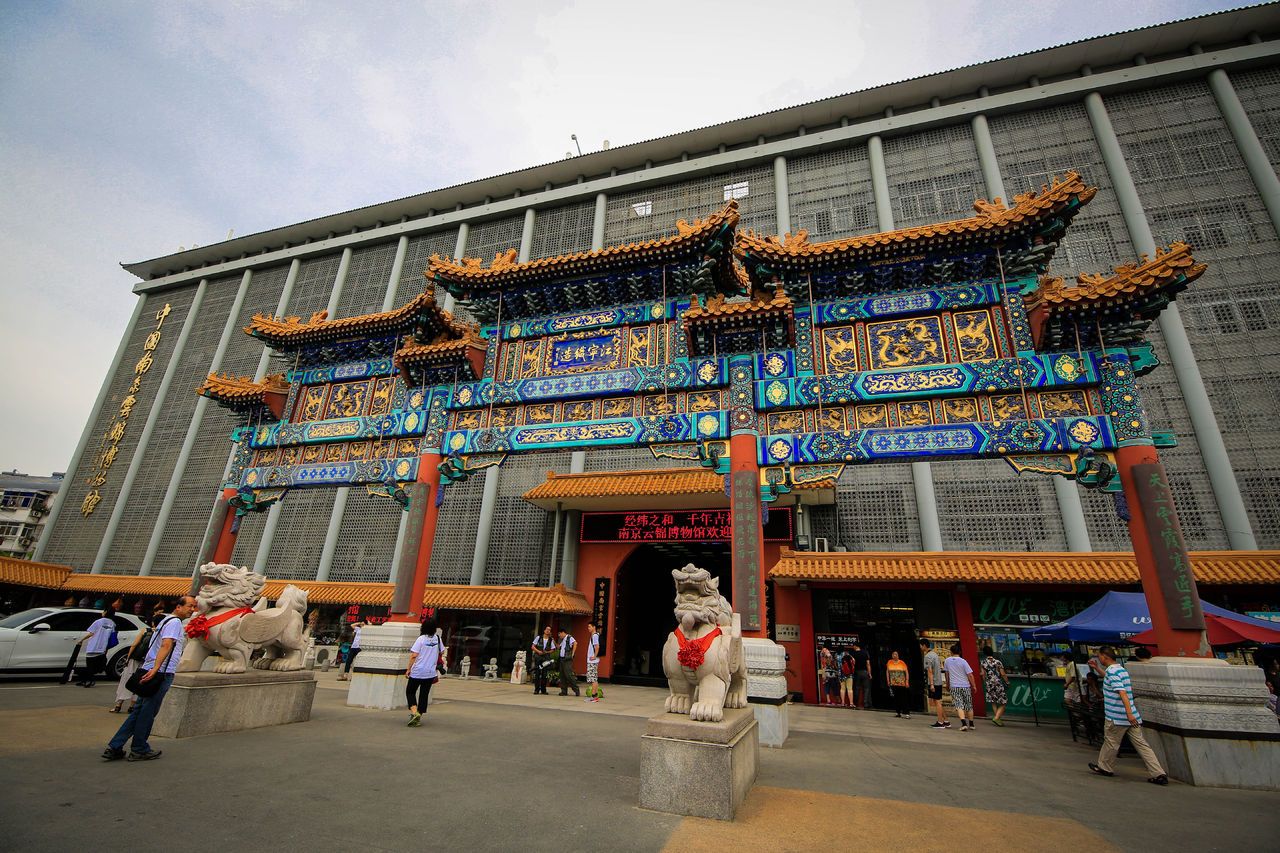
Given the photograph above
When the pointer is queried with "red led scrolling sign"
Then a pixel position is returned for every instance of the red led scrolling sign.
(699, 525)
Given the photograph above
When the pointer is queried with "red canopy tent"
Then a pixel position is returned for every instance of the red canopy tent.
(1222, 631)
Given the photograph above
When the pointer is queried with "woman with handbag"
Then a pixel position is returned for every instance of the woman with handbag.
(133, 659)
(424, 659)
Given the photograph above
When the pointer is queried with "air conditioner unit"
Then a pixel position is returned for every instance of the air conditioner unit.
(820, 544)
(27, 541)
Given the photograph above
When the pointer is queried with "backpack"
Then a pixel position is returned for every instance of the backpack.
(114, 639)
(846, 665)
(139, 652)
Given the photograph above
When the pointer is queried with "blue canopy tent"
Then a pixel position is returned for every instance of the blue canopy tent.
(1115, 617)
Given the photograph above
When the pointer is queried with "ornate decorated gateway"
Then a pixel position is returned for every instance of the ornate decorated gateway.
(773, 362)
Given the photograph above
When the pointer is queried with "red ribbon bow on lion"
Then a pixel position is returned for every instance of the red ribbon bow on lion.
(693, 652)
(198, 627)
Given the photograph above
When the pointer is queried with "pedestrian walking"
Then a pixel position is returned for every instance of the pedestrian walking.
(933, 681)
(423, 670)
(351, 652)
(830, 675)
(594, 693)
(961, 683)
(995, 683)
(899, 681)
(568, 678)
(160, 663)
(97, 642)
(133, 659)
(846, 678)
(861, 677)
(543, 650)
(1122, 718)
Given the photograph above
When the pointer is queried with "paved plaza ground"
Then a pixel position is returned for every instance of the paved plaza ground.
(497, 768)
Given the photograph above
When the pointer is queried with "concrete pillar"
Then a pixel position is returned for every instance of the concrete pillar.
(781, 195)
(597, 224)
(153, 416)
(73, 467)
(1246, 138)
(556, 523)
(1065, 491)
(1222, 477)
(342, 492)
(489, 498)
(393, 280)
(193, 429)
(399, 549)
(459, 249)
(572, 524)
(921, 474)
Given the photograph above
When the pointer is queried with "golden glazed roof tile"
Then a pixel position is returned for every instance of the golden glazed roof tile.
(511, 599)
(1174, 267)
(27, 573)
(717, 308)
(1106, 568)
(795, 250)
(667, 481)
(504, 268)
(278, 331)
(237, 391)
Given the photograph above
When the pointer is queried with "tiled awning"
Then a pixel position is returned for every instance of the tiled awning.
(1052, 567)
(507, 599)
(662, 488)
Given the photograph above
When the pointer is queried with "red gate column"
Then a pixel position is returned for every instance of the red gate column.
(748, 534)
(415, 559)
(1163, 565)
(227, 531)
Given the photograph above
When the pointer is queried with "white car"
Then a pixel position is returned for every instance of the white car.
(39, 641)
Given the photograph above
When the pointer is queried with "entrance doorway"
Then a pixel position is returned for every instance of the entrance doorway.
(645, 598)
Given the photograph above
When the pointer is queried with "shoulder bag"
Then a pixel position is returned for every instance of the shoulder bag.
(135, 684)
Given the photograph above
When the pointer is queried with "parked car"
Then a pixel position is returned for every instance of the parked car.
(39, 641)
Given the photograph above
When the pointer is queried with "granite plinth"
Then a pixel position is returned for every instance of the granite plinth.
(697, 768)
(202, 703)
(767, 689)
(1208, 723)
(377, 678)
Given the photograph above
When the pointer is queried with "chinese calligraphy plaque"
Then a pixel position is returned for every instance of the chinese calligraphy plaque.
(1173, 565)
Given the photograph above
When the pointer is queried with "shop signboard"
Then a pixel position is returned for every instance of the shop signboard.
(699, 525)
(1024, 610)
(1046, 693)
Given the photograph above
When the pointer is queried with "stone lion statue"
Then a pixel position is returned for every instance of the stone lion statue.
(234, 619)
(703, 657)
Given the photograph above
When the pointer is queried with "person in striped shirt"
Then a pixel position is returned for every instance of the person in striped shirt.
(1122, 718)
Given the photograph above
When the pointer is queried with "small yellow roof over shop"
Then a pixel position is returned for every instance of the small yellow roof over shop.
(508, 599)
(1036, 567)
(662, 488)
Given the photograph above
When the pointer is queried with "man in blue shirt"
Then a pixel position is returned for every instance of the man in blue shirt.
(161, 663)
(1122, 718)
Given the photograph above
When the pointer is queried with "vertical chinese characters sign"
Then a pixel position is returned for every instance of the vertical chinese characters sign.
(1173, 566)
(115, 432)
(746, 553)
(600, 610)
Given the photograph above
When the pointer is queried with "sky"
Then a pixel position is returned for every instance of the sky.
(130, 129)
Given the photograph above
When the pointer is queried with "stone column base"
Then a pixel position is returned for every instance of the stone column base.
(699, 769)
(202, 703)
(377, 678)
(767, 688)
(1208, 723)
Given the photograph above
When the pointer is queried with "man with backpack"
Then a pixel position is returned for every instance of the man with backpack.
(846, 679)
(100, 638)
(568, 678)
(160, 664)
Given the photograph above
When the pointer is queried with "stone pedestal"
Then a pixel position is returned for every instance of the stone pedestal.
(1207, 721)
(202, 703)
(377, 678)
(767, 688)
(699, 769)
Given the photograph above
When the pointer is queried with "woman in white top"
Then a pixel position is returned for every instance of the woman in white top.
(424, 658)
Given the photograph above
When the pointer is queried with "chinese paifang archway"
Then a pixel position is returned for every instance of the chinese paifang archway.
(774, 362)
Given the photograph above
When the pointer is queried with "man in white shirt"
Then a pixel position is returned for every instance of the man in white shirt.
(161, 662)
(568, 678)
(352, 651)
(96, 645)
(594, 693)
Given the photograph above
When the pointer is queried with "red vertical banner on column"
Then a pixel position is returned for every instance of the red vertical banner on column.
(1173, 564)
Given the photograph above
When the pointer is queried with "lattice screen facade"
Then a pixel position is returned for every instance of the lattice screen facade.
(455, 540)
(74, 540)
(193, 503)
(366, 284)
(933, 175)
(652, 212)
(1259, 93)
(1195, 188)
(521, 541)
(134, 533)
(877, 510)
(830, 193)
(366, 538)
(563, 230)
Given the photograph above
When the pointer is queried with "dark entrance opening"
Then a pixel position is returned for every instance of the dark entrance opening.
(645, 598)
